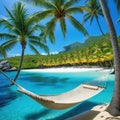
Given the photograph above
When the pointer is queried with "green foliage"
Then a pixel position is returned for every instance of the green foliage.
(93, 11)
(95, 51)
(88, 42)
(59, 11)
(73, 46)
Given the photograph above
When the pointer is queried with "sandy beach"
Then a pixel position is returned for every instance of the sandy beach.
(96, 113)
(64, 69)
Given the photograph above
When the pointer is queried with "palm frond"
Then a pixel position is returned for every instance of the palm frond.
(42, 3)
(6, 24)
(70, 3)
(58, 4)
(34, 49)
(44, 47)
(9, 26)
(100, 13)
(41, 15)
(39, 44)
(10, 14)
(42, 33)
(37, 38)
(74, 10)
(63, 26)
(86, 8)
(41, 37)
(50, 28)
(35, 2)
(7, 36)
(51, 36)
(41, 27)
(20, 15)
(77, 25)
(86, 17)
(91, 19)
(31, 30)
(3, 52)
(50, 5)
(9, 44)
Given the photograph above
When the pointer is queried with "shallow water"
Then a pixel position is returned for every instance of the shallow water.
(17, 106)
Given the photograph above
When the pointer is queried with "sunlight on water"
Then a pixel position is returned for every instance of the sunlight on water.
(17, 106)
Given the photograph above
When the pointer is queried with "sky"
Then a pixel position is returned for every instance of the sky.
(72, 34)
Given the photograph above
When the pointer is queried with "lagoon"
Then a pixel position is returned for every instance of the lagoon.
(17, 106)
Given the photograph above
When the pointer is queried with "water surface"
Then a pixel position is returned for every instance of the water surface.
(17, 106)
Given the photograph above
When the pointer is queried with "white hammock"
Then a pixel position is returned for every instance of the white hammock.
(64, 100)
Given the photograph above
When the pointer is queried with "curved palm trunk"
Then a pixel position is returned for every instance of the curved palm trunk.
(99, 26)
(20, 66)
(114, 107)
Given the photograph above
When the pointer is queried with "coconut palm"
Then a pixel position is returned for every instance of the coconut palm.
(114, 107)
(93, 11)
(58, 11)
(20, 27)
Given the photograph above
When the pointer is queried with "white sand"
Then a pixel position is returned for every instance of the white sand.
(97, 113)
(63, 69)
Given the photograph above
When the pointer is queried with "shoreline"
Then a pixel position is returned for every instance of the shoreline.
(66, 69)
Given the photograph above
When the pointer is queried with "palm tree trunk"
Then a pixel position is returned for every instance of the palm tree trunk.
(114, 107)
(20, 65)
(99, 26)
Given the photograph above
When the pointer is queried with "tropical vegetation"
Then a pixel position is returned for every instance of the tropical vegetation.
(59, 11)
(93, 11)
(96, 51)
(20, 28)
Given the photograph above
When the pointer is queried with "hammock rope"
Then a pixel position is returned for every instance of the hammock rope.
(64, 100)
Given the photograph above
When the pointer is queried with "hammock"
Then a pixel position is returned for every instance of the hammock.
(64, 100)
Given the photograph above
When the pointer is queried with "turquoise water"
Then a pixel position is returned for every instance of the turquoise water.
(17, 106)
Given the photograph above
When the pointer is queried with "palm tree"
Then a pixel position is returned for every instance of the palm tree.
(20, 28)
(114, 107)
(93, 11)
(58, 11)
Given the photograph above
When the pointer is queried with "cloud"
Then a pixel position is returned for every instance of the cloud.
(55, 52)
(43, 53)
(51, 53)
